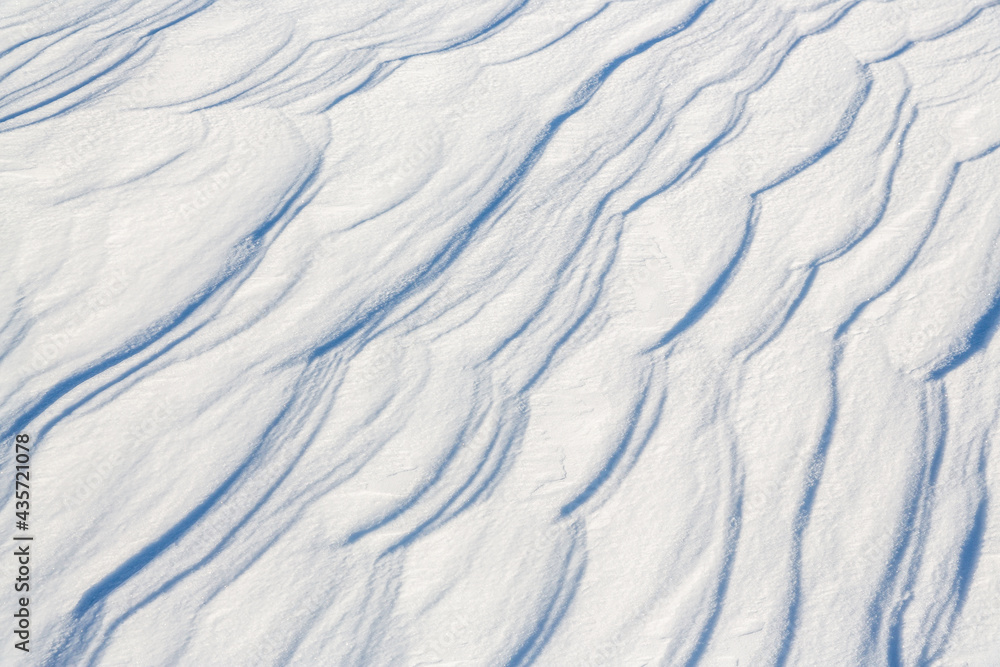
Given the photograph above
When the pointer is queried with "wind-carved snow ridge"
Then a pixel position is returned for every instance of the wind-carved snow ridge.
(504, 333)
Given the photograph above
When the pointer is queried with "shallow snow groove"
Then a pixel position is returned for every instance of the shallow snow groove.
(505, 333)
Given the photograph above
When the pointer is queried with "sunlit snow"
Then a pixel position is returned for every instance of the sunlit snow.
(502, 332)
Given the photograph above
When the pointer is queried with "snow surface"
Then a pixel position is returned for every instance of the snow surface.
(507, 332)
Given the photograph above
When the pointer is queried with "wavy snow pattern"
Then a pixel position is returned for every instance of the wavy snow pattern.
(505, 333)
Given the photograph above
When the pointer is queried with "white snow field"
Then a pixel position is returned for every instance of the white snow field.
(501, 332)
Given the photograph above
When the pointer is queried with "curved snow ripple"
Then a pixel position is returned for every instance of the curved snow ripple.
(557, 333)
